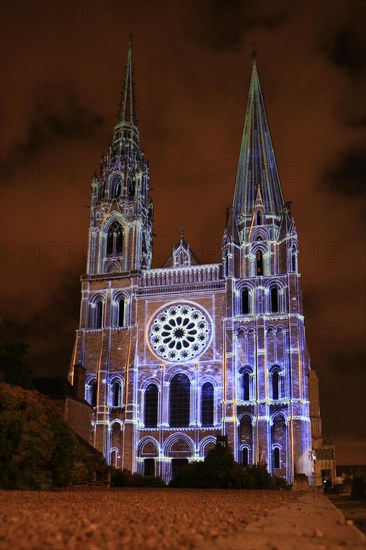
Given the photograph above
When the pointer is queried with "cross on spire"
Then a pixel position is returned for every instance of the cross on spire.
(254, 53)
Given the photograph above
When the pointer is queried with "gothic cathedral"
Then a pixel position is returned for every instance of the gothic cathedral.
(176, 355)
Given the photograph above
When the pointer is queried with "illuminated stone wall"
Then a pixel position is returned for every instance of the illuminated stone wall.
(176, 355)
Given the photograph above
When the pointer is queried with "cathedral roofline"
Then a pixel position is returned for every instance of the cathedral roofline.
(182, 255)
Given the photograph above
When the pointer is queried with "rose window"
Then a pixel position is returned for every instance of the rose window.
(179, 333)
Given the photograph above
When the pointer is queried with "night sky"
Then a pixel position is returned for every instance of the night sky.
(62, 66)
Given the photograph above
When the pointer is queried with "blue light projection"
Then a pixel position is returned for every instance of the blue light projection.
(176, 355)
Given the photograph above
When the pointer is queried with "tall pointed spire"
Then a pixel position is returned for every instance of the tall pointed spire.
(257, 163)
(127, 109)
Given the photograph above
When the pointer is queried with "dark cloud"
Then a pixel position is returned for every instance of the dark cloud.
(347, 49)
(346, 368)
(223, 23)
(346, 175)
(48, 128)
(50, 331)
(357, 122)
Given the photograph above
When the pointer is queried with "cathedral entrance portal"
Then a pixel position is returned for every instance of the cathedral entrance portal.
(177, 464)
(179, 448)
(149, 467)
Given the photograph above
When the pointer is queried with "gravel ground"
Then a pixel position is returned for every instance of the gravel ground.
(130, 519)
(354, 510)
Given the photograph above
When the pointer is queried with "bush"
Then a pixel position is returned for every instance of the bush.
(220, 471)
(26, 439)
(124, 478)
(262, 479)
(282, 483)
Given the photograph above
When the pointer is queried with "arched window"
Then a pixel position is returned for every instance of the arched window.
(179, 400)
(259, 218)
(116, 187)
(151, 406)
(207, 409)
(93, 393)
(114, 240)
(276, 457)
(275, 384)
(121, 313)
(131, 189)
(119, 241)
(114, 458)
(245, 301)
(99, 314)
(293, 258)
(245, 456)
(259, 261)
(274, 299)
(226, 264)
(110, 243)
(116, 394)
(100, 191)
(246, 386)
(279, 442)
(116, 437)
(246, 433)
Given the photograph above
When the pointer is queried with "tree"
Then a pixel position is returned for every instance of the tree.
(38, 448)
(26, 439)
(14, 369)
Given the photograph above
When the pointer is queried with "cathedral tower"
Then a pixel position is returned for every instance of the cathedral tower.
(176, 355)
(265, 323)
(120, 246)
(120, 235)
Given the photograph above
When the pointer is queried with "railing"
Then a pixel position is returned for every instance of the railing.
(206, 273)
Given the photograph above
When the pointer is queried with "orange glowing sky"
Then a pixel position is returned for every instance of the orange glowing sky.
(61, 68)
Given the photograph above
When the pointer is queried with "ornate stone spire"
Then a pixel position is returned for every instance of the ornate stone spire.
(127, 107)
(257, 163)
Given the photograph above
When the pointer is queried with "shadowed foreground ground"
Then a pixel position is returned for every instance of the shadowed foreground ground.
(131, 519)
(354, 510)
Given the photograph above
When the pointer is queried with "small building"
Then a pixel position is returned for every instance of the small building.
(323, 452)
(77, 411)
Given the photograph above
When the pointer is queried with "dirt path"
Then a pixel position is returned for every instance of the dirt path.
(130, 518)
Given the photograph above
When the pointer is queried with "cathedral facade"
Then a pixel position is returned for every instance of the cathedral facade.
(176, 355)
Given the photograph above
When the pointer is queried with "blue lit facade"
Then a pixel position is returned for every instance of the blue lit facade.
(178, 354)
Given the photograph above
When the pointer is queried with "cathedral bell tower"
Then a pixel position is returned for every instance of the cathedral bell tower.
(265, 333)
(120, 234)
(119, 251)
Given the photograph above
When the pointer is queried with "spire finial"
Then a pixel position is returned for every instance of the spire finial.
(181, 234)
(126, 111)
(254, 54)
